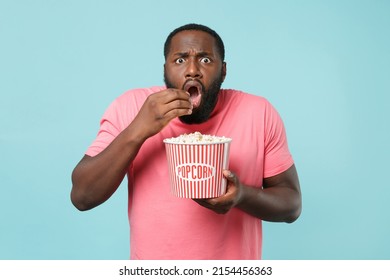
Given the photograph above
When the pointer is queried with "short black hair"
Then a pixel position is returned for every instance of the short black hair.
(198, 27)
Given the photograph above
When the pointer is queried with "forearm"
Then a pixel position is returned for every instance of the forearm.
(277, 204)
(278, 201)
(95, 179)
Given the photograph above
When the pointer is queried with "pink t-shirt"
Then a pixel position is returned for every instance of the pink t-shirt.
(165, 227)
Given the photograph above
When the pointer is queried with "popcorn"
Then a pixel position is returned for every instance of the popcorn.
(197, 138)
(195, 164)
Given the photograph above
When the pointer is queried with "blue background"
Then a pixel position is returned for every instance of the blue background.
(325, 66)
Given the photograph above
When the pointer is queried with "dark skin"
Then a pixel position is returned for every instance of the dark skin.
(193, 55)
(95, 179)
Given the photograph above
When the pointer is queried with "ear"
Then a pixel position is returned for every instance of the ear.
(223, 70)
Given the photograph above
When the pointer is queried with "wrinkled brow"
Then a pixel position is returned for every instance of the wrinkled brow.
(187, 54)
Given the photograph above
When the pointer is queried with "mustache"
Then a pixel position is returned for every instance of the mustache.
(169, 84)
(193, 81)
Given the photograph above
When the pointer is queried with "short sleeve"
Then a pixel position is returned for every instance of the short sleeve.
(118, 116)
(277, 157)
(109, 130)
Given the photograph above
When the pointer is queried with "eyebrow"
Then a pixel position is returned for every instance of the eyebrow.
(187, 54)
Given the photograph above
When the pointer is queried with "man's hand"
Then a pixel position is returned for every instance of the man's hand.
(279, 200)
(96, 178)
(160, 108)
(230, 199)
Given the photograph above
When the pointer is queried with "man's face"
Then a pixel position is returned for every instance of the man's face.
(194, 65)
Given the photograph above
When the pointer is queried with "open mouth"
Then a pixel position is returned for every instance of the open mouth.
(194, 88)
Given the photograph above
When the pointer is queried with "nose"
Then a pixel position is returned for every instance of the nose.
(193, 70)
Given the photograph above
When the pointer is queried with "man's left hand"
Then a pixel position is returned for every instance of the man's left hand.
(230, 199)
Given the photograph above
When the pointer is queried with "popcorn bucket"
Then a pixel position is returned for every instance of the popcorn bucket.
(195, 169)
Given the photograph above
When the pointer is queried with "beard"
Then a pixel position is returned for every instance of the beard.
(207, 104)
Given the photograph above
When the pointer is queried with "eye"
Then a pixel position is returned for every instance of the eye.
(205, 60)
(180, 60)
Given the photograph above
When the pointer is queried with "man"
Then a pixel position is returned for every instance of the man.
(262, 180)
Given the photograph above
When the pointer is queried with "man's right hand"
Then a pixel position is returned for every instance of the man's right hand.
(96, 178)
(160, 108)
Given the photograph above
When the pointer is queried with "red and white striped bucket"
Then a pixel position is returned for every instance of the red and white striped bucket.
(195, 169)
